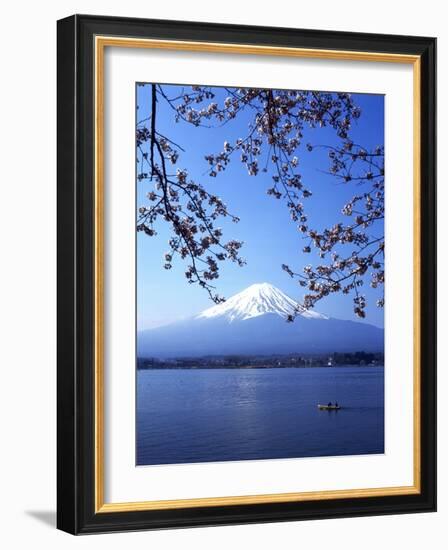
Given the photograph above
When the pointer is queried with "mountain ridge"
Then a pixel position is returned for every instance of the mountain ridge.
(257, 299)
(253, 322)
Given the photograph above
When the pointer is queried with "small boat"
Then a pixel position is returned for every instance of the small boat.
(329, 407)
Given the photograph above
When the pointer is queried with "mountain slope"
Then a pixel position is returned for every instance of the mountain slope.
(253, 323)
(254, 301)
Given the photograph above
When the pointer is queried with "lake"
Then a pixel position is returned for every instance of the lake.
(209, 415)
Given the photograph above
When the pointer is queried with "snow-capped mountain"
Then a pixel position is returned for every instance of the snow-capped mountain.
(254, 301)
(253, 322)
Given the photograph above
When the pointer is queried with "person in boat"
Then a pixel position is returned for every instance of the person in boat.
(329, 404)
(336, 404)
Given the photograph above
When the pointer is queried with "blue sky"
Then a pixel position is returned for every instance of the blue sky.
(270, 238)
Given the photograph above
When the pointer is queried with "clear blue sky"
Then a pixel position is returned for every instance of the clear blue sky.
(270, 238)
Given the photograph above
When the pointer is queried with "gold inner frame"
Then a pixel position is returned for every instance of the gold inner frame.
(101, 42)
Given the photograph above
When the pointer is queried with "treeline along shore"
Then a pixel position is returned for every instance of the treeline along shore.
(359, 358)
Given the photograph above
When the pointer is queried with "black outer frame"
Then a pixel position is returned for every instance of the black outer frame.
(75, 173)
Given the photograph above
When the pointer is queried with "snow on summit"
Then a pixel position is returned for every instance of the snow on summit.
(256, 300)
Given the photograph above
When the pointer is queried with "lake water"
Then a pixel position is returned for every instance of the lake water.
(208, 415)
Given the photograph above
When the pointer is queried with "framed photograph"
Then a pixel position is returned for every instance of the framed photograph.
(246, 274)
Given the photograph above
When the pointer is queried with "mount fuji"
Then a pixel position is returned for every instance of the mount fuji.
(253, 322)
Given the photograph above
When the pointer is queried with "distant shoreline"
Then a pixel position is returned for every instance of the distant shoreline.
(227, 367)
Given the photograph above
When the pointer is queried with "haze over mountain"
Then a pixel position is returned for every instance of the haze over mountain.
(253, 322)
